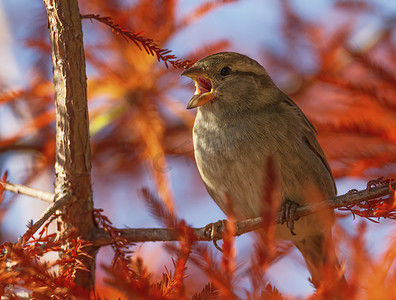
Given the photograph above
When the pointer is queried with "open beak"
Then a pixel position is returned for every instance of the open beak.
(203, 87)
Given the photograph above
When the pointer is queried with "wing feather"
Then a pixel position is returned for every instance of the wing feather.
(310, 138)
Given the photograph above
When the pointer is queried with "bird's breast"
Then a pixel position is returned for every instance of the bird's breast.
(231, 163)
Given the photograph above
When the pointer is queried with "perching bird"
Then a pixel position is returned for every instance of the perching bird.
(242, 120)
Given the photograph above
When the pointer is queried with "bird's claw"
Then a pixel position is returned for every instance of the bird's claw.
(287, 212)
(214, 230)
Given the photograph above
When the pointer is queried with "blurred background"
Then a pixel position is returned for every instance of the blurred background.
(336, 59)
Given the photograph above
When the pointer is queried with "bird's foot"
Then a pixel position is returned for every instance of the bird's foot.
(214, 232)
(287, 212)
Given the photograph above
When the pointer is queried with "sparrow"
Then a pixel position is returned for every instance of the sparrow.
(242, 120)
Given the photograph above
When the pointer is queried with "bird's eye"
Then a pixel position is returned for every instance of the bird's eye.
(225, 71)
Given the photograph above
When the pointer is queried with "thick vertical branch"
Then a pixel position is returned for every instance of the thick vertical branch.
(73, 164)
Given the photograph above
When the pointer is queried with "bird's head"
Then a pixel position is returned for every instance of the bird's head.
(229, 79)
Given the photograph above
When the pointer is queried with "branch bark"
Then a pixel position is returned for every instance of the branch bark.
(100, 237)
(136, 235)
(28, 191)
(73, 153)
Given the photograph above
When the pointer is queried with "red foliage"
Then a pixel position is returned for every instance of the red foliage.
(9, 96)
(140, 41)
(120, 245)
(4, 179)
(375, 208)
(24, 269)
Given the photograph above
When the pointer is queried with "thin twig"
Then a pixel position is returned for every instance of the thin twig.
(28, 191)
(63, 199)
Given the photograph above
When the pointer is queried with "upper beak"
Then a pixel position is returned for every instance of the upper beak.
(203, 87)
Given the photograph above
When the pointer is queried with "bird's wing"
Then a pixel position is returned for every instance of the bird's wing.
(310, 138)
(291, 103)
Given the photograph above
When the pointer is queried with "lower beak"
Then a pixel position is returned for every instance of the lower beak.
(200, 97)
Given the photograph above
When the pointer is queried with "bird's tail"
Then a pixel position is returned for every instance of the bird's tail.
(319, 254)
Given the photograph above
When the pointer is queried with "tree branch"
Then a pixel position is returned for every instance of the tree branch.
(136, 235)
(100, 237)
(73, 151)
(28, 191)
